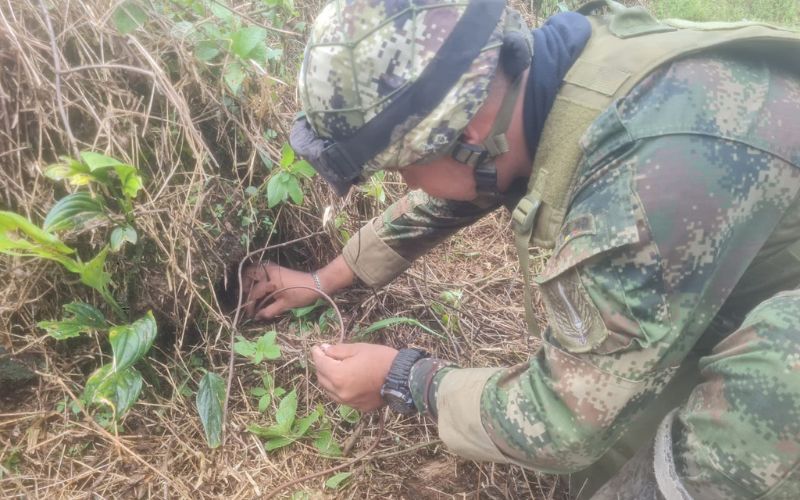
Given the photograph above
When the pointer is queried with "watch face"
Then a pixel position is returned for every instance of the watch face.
(397, 400)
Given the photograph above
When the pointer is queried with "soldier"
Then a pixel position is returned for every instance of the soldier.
(658, 160)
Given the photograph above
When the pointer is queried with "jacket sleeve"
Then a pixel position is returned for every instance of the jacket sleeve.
(387, 245)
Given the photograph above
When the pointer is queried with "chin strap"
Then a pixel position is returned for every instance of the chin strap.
(481, 156)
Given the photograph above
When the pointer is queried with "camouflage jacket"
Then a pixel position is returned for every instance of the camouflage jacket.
(687, 185)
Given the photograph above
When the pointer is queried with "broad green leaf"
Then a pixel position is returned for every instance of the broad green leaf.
(11, 224)
(130, 180)
(220, 11)
(72, 210)
(245, 40)
(326, 445)
(287, 155)
(206, 50)
(120, 235)
(58, 171)
(278, 442)
(210, 398)
(279, 392)
(80, 318)
(385, 323)
(303, 168)
(116, 389)
(336, 480)
(129, 343)
(287, 411)
(97, 161)
(258, 391)
(303, 424)
(267, 348)
(244, 347)
(234, 76)
(93, 273)
(276, 189)
(299, 312)
(294, 190)
(129, 16)
(349, 415)
(270, 432)
(263, 403)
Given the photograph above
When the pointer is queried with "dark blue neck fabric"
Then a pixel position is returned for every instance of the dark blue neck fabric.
(556, 45)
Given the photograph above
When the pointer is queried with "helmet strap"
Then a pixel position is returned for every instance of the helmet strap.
(481, 156)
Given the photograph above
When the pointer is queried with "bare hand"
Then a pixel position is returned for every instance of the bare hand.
(258, 281)
(353, 373)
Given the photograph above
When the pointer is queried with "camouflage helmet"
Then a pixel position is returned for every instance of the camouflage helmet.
(388, 83)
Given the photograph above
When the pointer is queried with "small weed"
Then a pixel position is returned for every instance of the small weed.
(11, 462)
(266, 391)
(374, 188)
(285, 182)
(263, 348)
(447, 308)
(288, 429)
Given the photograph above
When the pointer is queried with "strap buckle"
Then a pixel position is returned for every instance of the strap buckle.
(469, 154)
(524, 214)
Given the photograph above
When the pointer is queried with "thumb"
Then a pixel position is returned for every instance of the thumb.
(342, 351)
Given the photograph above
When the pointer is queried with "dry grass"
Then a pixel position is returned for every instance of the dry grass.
(145, 99)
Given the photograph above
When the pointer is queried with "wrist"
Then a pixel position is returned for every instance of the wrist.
(335, 276)
(395, 390)
(426, 374)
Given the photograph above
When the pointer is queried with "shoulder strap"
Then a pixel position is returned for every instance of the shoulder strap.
(608, 68)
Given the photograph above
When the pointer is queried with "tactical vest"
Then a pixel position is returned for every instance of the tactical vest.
(625, 47)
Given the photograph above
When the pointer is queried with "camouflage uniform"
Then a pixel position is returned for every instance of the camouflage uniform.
(685, 219)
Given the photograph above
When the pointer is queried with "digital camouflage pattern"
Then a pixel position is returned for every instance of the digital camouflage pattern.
(351, 85)
(688, 199)
(738, 433)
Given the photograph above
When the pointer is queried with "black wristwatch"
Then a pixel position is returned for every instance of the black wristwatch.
(395, 390)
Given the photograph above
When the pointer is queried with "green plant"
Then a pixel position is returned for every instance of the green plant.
(233, 48)
(374, 187)
(450, 302)
(111, 188)
(336, 480)
(349, 415)
(266, 391)
(305, 322)
(11, 462)
(263, 348)
(118, 184)
(288, 429)
(285, 183)
(115, 385)
(210, 401)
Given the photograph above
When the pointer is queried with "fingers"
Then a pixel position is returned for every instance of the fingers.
(272, 309)
(325, 364)
(256, 292)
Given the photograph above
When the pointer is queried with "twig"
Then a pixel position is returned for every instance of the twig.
(57, 66)
(260, 252)
(132, 69)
